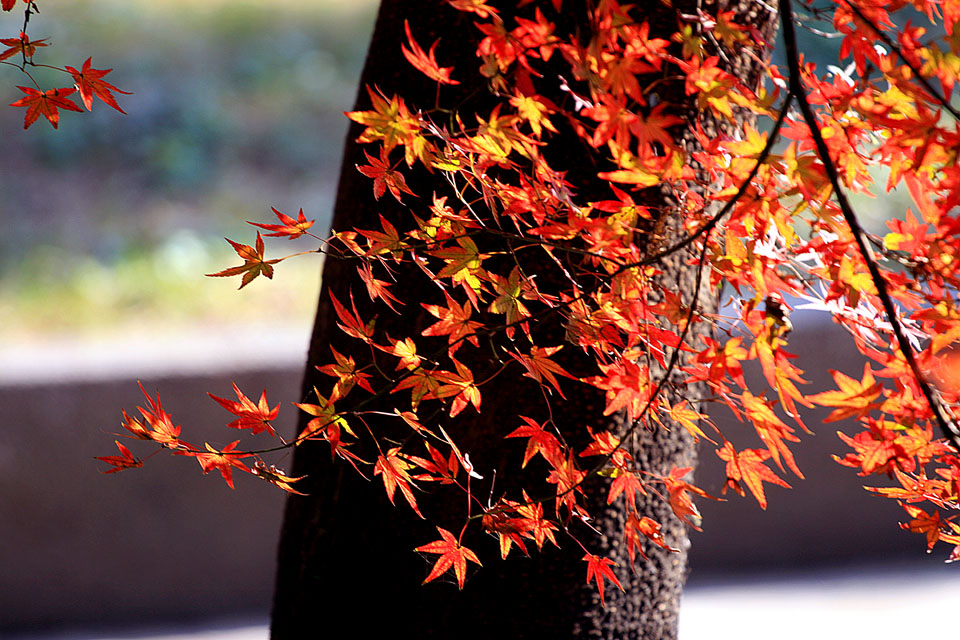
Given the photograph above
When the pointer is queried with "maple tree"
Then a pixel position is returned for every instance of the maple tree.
(573, 184)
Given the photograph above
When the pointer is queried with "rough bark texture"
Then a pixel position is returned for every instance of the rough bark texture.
(345, 558)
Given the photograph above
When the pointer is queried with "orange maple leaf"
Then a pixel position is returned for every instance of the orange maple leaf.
(252, 416)
(276, 477)
(748, 466)
(647, 527)
(253, 263)
(426, 63)
(8, 4)
(853, 399)
(352, 325)
(923, 522)
(46, 104)
(451, 555)
(347, 376)
(163, 431)
(328, 424)
(394, 469)
(290, 228)
(680, 500)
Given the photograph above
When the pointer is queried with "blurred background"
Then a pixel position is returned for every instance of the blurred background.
(108, 226)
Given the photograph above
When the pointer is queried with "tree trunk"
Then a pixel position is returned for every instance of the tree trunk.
(346, 559)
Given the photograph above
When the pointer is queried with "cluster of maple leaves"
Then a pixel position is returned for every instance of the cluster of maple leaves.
(19, 52)
(886, 104)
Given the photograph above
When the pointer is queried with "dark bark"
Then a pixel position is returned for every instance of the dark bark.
(345, 558)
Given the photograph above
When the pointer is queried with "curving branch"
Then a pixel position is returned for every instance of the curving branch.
(944, 423)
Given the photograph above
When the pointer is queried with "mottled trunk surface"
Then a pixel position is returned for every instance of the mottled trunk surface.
(346, 560)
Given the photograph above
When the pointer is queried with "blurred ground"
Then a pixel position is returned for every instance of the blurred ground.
(868, 603)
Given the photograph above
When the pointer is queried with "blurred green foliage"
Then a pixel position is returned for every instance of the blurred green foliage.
(236, 107)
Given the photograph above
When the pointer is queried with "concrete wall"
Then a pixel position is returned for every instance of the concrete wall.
(163, 542)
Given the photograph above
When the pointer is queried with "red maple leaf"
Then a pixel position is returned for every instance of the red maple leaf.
(223, 460)
(451, 555)
(124, 461)
(385, 176)
(540, 441)
(599, 568)
(249, 416)
(90, 82)
(46, 104)
(22, 45)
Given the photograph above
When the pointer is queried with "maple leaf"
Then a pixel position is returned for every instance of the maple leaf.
(680, 500)
(479, 7)
(748, 466)
(290, 228)
(135, 427)
(454, 322)
(540, 367)
(923, 522)
(394, 469)
(384, 176)
(451, 555)
(627, 483)
(540, 441)
(46, 104)
(352, 324)
(223, 460)
(124, 461)
(347, 375)
(422, 384)
(253, 263)
(90, 82)
(688, 419)
(392, 122)
(161, 424)
(426, 63)
(21, 46)
(252, 416)
(405, 350)
(377, 288)
(647, 527)
(276, 477)
(461, 386)
(328, 424)
(771, 430)
(599, 569)
(7, 5)
(855, 398)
